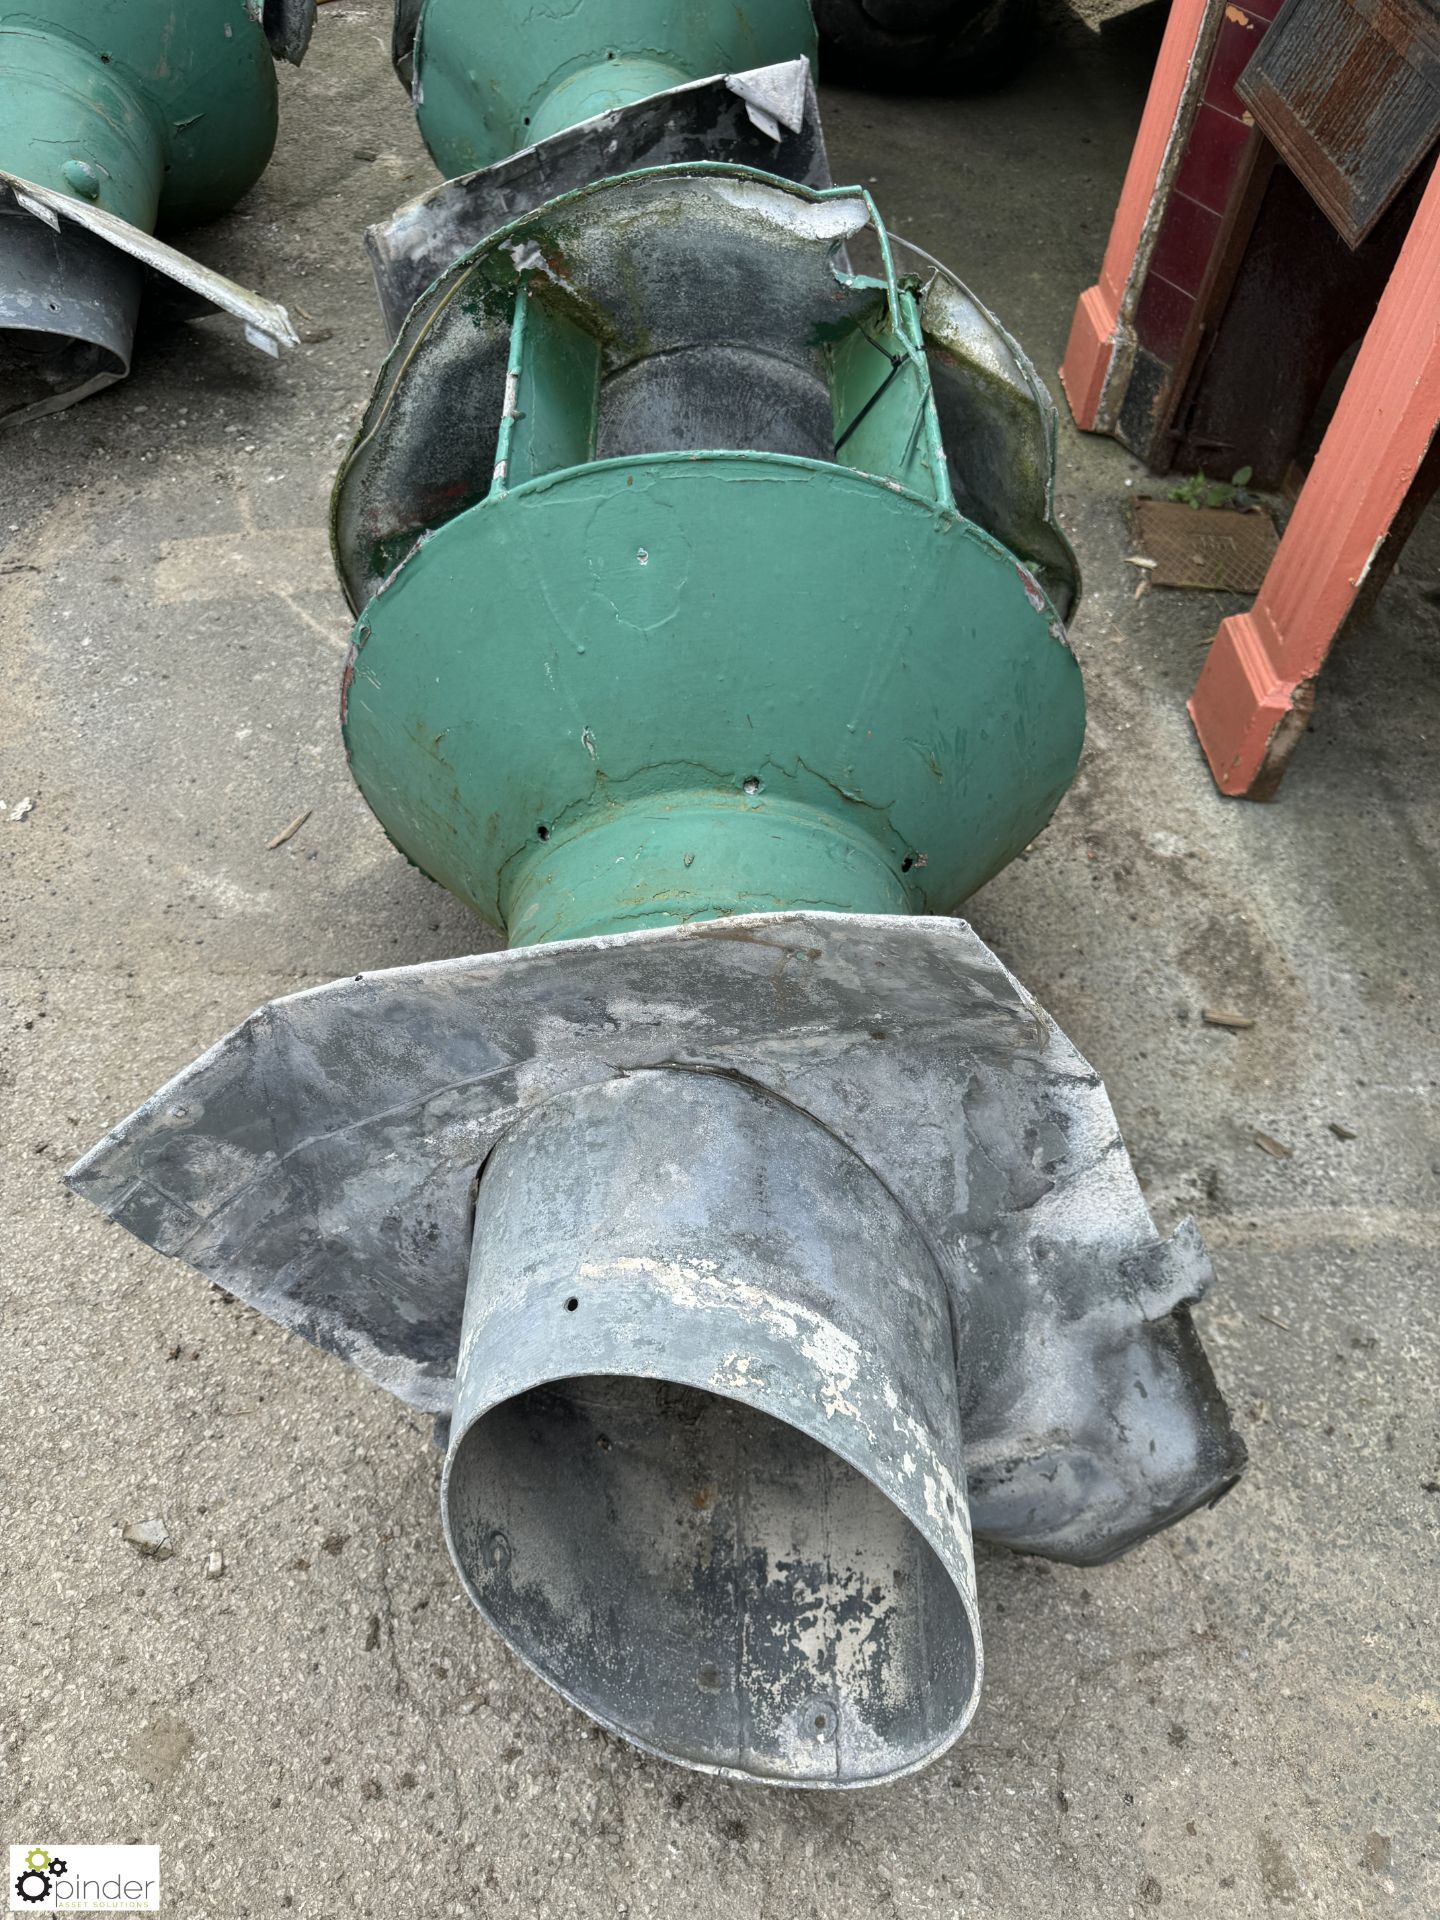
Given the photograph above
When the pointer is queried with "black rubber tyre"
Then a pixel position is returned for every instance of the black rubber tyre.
(925, 46)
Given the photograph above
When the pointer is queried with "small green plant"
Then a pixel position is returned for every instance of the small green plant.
(1197, 491)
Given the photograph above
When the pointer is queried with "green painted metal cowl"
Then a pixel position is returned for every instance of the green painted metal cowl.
(485, 84)
(667, 611)
(117, 116)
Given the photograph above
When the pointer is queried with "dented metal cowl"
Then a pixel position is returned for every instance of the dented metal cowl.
(667, 604)
(519, 107)
(117, 115)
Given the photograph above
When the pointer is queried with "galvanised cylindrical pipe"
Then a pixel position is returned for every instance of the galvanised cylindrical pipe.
(705, 1469)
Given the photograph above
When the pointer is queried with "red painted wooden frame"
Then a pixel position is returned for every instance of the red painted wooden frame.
(1100, 329)
(1258, 683)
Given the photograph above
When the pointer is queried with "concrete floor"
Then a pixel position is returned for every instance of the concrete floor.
(1239, 1718)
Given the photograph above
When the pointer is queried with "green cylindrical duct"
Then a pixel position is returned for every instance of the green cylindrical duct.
(488, 83)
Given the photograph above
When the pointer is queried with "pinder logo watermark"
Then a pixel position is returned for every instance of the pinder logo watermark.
(84, 1879)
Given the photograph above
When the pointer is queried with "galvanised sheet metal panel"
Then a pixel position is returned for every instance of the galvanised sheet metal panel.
(321, 1163)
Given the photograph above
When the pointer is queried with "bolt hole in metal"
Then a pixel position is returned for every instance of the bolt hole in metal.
(694, 1573)
(824, 1727)
(752, 785)
(571, 1304)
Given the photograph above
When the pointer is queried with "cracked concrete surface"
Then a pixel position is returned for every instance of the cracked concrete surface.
(1240, 1719)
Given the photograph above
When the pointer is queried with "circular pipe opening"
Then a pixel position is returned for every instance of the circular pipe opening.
(709, 1582)
(72, 300)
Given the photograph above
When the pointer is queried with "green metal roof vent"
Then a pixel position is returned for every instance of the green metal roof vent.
(661, 484)
(757, 1239)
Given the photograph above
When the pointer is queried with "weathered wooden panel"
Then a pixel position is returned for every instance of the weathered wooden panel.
(1349, 93)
